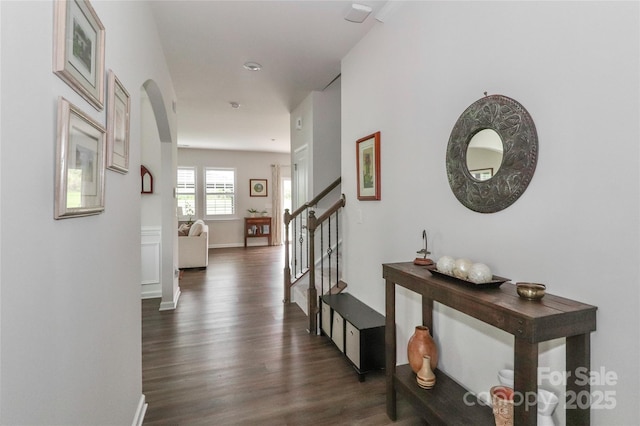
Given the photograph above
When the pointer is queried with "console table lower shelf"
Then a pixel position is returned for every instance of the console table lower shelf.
(441, 405)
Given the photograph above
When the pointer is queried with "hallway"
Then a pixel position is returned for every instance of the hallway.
(233, 353)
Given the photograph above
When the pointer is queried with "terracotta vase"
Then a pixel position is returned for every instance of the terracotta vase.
(425, 377)
(502, 402)
(421, 344)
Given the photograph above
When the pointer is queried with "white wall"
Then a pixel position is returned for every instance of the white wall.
(248, 165)
(321, 117)
(71, 330)
(302, 141)
(575, 67)
(326, 140)
(150, 157)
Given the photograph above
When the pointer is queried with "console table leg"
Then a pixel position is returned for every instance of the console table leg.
(427, 314)
(390, 347)
(525, 410)
(578, 365)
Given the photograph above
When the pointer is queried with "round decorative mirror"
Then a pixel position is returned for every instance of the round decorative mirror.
(492, 154)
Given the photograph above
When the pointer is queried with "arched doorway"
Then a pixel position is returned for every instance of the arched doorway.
(158, 210)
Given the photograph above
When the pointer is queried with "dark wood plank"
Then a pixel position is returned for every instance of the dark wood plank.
(552, 317)
(390, 348)
(443, 404)
(232, 353)
(578, 363)
(525, 362)
(354, 311)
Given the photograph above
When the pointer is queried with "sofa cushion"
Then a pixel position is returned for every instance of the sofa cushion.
(196, 229)
(183, 230)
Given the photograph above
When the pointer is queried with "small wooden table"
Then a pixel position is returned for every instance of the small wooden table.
(257, 227)
(530, 322)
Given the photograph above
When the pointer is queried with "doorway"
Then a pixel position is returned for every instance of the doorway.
(287, 202)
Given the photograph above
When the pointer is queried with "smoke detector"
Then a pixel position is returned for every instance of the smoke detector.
(357, 13)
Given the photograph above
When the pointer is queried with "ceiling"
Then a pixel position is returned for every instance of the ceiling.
(299, 44)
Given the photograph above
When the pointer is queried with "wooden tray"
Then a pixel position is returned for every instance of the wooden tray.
(495, 282)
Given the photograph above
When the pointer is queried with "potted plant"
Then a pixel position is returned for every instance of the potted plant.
(188, 211)
(263, 213)
(252, 212)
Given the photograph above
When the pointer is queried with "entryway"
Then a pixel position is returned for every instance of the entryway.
(233, 353)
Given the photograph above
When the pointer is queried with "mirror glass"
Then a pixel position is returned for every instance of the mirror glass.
(484, 154)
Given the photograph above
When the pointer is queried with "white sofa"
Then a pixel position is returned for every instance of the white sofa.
(193, 249)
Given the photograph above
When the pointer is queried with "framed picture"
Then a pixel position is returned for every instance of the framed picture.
(118, 107)
(80, 163)
(258, 187)
(147, 180)
(368, 167)
(482, 174)
(78, 49)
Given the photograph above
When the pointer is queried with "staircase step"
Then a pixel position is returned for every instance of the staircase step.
(338, 288)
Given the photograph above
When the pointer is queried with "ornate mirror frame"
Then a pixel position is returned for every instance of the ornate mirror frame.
(520, 141)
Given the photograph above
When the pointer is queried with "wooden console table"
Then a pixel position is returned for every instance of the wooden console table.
(530, 322)
(257, 227)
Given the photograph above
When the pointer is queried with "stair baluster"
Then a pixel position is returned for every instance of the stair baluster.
(300, 263)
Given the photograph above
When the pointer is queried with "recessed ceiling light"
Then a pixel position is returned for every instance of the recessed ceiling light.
(234, 105)
(252, 66)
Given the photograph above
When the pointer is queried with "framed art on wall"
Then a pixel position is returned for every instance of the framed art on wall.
(368, 167)
(118, 107)
(80, 165)
(147, 180)
(78, 49)
(258, 187)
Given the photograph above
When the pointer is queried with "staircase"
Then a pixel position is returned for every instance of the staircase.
(313, 256)
(300, 287)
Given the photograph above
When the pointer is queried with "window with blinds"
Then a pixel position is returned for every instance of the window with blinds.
(220, 191)
(186, 192)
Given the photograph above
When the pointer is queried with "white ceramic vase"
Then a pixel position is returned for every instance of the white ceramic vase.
(547, 403)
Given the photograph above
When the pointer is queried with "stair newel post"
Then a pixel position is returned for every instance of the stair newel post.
(308, 236)
(321, 263)
(287, 267)
(312, 294)
(337, 246)
(329, 250)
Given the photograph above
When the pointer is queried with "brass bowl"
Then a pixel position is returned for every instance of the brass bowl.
(531, 291)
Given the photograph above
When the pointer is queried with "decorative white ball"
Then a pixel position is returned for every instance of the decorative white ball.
(445, 264)
(461, 268)
(479, 273)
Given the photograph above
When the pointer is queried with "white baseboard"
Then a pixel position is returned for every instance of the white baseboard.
(169, 306)
(227, 245)
(235, 245)
(151, 290)
(140, 412)
(151, 294)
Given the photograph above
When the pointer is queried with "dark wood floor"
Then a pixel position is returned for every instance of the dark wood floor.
(233, 353)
